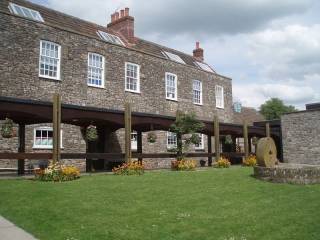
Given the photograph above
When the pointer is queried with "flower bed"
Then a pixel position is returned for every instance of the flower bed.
(132, 168)
(222, 163)
(251, 161)
(183, 165)
(57, 172)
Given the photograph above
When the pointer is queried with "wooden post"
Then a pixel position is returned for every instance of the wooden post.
(21, 148)
(56, 128)
(209, 149)
(127, 122)
(245, 137)
(216, 137)
(268, 129)
(139, 144)
(250, 144)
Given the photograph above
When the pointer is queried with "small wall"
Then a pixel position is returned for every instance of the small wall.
(286, 173)
(301, 137)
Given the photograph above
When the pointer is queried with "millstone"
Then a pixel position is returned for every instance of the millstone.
(266, 152)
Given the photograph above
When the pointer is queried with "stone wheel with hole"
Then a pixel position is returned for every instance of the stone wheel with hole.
(266, 152)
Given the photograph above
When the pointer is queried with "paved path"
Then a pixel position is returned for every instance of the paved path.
(9, 231)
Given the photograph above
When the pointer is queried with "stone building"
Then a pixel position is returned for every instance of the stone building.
(300, 136)
(45, 52)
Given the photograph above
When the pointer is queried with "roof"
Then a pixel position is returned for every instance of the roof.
(250, 115)
(77, 25)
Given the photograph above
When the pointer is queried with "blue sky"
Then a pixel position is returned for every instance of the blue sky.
(269, 48)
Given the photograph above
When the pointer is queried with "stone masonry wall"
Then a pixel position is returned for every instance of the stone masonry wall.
(300, 133)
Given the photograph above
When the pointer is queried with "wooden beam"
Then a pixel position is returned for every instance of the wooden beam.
(268, 129)
(209, 140)
(21, 148)
(127, 120)
(217, 137)
(56, 128)
(139, 145)
(245, 137)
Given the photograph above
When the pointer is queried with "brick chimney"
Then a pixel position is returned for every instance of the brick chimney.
(123, 24)
(198, 52)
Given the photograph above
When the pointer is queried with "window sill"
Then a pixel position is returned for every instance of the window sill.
(222, 108)
(131, 91)
(43, 148)
(50, 78)
(171, 99)
(96, 86)
(198, 104)
(199, 149)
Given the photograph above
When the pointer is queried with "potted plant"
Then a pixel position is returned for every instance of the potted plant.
(91, 133)
(7, 130)
(152, 137)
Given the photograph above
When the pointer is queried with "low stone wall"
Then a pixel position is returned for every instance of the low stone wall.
(289, 173)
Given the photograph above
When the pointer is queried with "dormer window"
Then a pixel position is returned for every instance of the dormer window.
(173, 57)
(204, 66)
(110, 38)
(25, 12)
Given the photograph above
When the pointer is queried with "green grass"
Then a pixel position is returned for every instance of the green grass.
(212, 204)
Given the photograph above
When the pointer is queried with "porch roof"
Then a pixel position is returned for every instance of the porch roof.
(28, 112)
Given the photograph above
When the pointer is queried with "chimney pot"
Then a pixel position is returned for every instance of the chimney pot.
(197, 45)
(113, 17)
(126, 11)
(121, 13)
(198, 52)
(116, 16)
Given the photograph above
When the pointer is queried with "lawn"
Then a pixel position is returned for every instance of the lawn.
(226, 204)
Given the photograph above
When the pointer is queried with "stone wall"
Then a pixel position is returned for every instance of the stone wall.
(300, 133)
(19, 66)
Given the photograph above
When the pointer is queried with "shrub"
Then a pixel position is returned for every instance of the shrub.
(132, 168)
(250, 161)
(57, 172)
(222, 163)
(183, 165)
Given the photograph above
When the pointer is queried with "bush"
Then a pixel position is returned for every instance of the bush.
(183, 165)
(222, 163)
(132, 168)
(57, 172)
(250, 161)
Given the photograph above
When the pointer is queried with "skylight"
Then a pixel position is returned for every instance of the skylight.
(173, 57)
(25, 12)
(205, 67)
(110, 38)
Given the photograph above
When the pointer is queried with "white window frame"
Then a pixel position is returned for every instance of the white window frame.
(200, 92)
(176, 86)
(59, 61)
(102, 71)
(170, 146)
(134, 143)
(138, 78)
(36, 16)
(200, 146)
(219, 98)
(35, 146)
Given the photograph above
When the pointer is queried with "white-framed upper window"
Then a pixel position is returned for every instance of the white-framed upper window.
(197, 92)
(219, 97)
(134, 140)
(171, 86)
(132, 77)
(43, 138)
(200, 145)
(95, 70)
(49, 62)
(110, 38)
(25, 12)
(171, 140)
(173, 57)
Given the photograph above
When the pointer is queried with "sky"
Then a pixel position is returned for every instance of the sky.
(270, 48)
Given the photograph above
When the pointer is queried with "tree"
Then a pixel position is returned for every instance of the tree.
(186, 127)
(274, 108)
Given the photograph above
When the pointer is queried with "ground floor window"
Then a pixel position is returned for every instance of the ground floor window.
(200, 145)
(134, 140)
(43, 138)
(171, 140)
